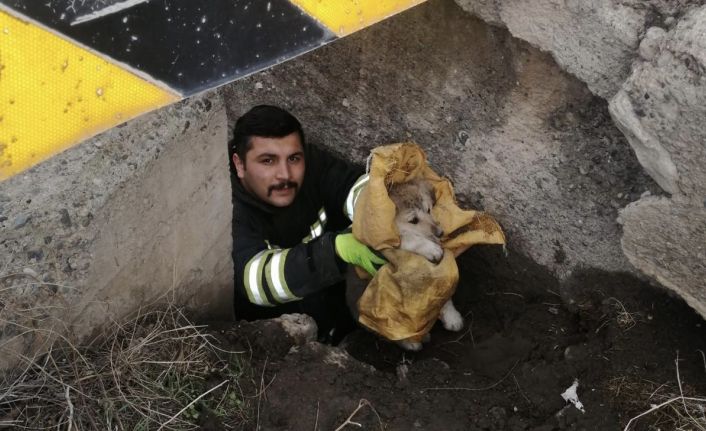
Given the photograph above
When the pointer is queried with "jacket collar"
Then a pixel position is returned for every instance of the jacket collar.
(240, 194)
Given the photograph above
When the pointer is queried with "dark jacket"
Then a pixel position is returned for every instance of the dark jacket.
(283, 255)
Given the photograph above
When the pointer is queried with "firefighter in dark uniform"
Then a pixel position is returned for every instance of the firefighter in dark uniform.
(292, 210)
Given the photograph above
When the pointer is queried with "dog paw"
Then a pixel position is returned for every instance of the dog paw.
(410, 346)
(451, 318)
(453, 323)
(433, 252)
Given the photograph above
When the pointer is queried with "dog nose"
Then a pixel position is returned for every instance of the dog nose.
(438, 232)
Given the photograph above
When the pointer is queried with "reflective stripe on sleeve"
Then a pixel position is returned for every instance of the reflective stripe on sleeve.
(317, 229)
(253, 278)
(353, 195)
(274, 272)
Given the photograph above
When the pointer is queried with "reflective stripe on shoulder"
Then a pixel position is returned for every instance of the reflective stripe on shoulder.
(253, 278)
(317, 229)
(274, 272)
(352, 198)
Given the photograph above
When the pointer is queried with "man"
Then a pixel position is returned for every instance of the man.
(292, 204)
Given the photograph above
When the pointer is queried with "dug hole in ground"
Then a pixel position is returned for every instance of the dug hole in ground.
(563, 316)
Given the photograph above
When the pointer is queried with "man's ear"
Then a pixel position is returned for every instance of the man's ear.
(239, 166)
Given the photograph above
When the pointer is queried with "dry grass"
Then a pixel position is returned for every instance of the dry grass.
(349, 421)
(671, 406)
(157, 371)
(623, 318)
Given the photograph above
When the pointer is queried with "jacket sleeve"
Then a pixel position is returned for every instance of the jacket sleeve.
(269, 276)
(340, 184)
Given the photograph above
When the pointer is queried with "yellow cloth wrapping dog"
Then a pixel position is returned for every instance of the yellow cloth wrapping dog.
(405, 297)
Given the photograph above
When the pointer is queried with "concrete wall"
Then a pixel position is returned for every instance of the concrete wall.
(137, 215)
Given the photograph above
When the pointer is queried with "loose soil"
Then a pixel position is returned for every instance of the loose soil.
(527, 339)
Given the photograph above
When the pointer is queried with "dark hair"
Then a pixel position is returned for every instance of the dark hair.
(262, 120)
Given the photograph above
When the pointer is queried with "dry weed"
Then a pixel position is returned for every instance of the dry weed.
(672, 406)
(157, 371)
(624, 318)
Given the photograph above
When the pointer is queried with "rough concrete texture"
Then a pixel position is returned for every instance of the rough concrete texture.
(517, 136)
(649, 59)
(667, 240)
(661, 109)
(662, 106)
(136, 215)
(595, 40)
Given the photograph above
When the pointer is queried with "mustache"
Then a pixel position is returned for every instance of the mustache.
(281, 186)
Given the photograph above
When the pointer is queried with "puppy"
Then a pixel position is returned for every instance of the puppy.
(420, 233)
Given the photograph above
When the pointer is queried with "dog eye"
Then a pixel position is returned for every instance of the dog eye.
(429, 210)
(414, 220)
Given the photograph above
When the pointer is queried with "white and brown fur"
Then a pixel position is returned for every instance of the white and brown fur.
(419, 233)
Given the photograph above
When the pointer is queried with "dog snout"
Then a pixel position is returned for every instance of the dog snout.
(439, 232)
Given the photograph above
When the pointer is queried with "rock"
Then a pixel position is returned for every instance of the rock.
(30, 272)
(20, 221)
(35, 255)
(649, 150)
(658, 105)
(650, 44)
(65, 218)
(576, 353)
(667, 241)
(661, 108)
(273, 338)
(301, 327)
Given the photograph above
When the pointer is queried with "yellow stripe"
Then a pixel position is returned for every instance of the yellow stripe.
(344, 17)
(54, 94)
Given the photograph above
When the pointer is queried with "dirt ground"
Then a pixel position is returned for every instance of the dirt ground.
(525, 342)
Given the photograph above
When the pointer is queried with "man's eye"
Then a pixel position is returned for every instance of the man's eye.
(266, 161)
(414, 220)
(294, 159)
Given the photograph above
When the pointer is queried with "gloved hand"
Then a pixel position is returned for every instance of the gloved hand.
(352, 251)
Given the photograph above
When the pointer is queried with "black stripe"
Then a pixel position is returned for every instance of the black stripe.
(188, 44)
(265, 285)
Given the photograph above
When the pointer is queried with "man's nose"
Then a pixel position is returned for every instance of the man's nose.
(283, 171)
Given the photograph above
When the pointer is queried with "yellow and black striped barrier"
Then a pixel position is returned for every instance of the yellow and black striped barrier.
(70, 69)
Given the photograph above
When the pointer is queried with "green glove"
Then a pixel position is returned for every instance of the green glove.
(352, 251)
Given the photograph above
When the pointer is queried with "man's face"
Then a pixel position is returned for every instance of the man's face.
(274, 169)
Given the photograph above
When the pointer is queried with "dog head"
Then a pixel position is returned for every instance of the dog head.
(414, 200)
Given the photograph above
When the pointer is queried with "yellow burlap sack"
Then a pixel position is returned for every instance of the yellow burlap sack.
(405, 297)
